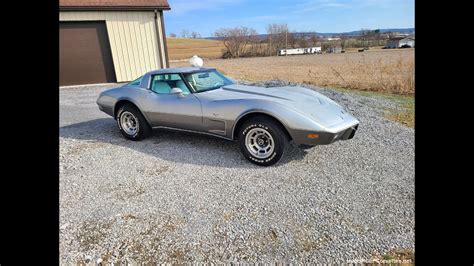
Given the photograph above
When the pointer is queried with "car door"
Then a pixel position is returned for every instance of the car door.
(164, 108)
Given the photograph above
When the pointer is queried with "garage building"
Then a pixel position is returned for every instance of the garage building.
(103, 41)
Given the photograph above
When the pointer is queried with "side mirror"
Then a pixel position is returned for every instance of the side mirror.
(176, 90)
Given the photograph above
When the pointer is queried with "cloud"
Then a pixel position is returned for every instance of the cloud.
(321, 4)
(257, 19)
(181, 7)
(313, 5)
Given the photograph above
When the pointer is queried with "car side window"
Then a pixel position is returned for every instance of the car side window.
(136, 82)
(163, 83)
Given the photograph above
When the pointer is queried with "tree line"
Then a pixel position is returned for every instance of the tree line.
(187, 34)
(245, 42)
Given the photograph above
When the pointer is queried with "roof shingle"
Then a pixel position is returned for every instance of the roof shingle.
(113, 4)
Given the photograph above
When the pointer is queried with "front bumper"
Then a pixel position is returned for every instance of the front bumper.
(343, 135)
(324, 138)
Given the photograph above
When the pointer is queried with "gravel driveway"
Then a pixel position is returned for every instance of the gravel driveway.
(178, 197)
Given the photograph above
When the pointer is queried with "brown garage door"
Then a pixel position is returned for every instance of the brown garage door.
(84, 53)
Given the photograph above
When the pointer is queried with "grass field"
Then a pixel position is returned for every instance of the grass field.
(388, 73)
(182, 48)
(405, 114)
(179, 48)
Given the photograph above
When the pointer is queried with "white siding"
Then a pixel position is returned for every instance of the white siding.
(407, 41)
(133, 40)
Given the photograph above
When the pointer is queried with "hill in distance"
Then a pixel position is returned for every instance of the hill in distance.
(349, 33)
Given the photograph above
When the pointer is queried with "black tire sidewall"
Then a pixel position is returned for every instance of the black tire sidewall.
(275, 131)
(142, 131)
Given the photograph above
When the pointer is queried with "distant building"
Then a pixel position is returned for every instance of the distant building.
(334, 50)
(399, 41)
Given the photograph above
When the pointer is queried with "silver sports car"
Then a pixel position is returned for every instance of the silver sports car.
(262, 120)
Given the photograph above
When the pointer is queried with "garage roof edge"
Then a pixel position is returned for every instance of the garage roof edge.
(78, 5)
(112, 8)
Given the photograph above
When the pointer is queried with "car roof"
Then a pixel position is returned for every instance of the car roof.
(145, 82)
(178, 70)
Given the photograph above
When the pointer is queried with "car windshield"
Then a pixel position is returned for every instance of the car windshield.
(207, 80)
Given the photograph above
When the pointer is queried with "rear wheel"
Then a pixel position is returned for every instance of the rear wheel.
(262, 141)
(131, 123)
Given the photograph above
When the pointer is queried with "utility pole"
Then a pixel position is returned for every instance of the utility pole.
(286, 42)
(270, 50)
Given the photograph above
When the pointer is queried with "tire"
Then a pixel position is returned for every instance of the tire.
(130, 113)
(261, 135)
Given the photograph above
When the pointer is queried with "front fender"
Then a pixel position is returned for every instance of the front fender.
(233, 111)
(254, 111)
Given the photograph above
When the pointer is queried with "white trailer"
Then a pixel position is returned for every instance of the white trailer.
(308, 50)
(313, 50)
(291, 51)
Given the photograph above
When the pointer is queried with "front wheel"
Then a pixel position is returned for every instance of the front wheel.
(262, 141)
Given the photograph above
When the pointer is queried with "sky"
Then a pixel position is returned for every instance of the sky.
(206, 16)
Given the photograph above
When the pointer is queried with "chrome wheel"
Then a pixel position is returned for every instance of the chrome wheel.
(129, 123)
(259, 143)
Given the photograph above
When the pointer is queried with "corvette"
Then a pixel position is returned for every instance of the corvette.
(262, 120)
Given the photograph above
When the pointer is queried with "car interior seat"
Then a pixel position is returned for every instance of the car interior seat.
(161, 87)
(180, 84)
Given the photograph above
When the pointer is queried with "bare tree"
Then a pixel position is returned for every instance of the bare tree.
(195, 35)
(377, 36)
(235, 39)
(314, 39)
(292, 40)
(278, 37)
(343, 41)
(392, 34)
(327, 46)
(302, 40)
(184, 34)
(369, 37)
(257, 47)
(364, 36)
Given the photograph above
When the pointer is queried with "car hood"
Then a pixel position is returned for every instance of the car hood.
(302, 100)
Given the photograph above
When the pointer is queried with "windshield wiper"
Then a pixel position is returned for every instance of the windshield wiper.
(210, 89)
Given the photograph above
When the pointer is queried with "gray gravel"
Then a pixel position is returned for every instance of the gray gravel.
(178, 197)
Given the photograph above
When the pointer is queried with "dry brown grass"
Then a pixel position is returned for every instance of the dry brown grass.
(390, 70)
(404, 114)
(396, 257)
(179, 48)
